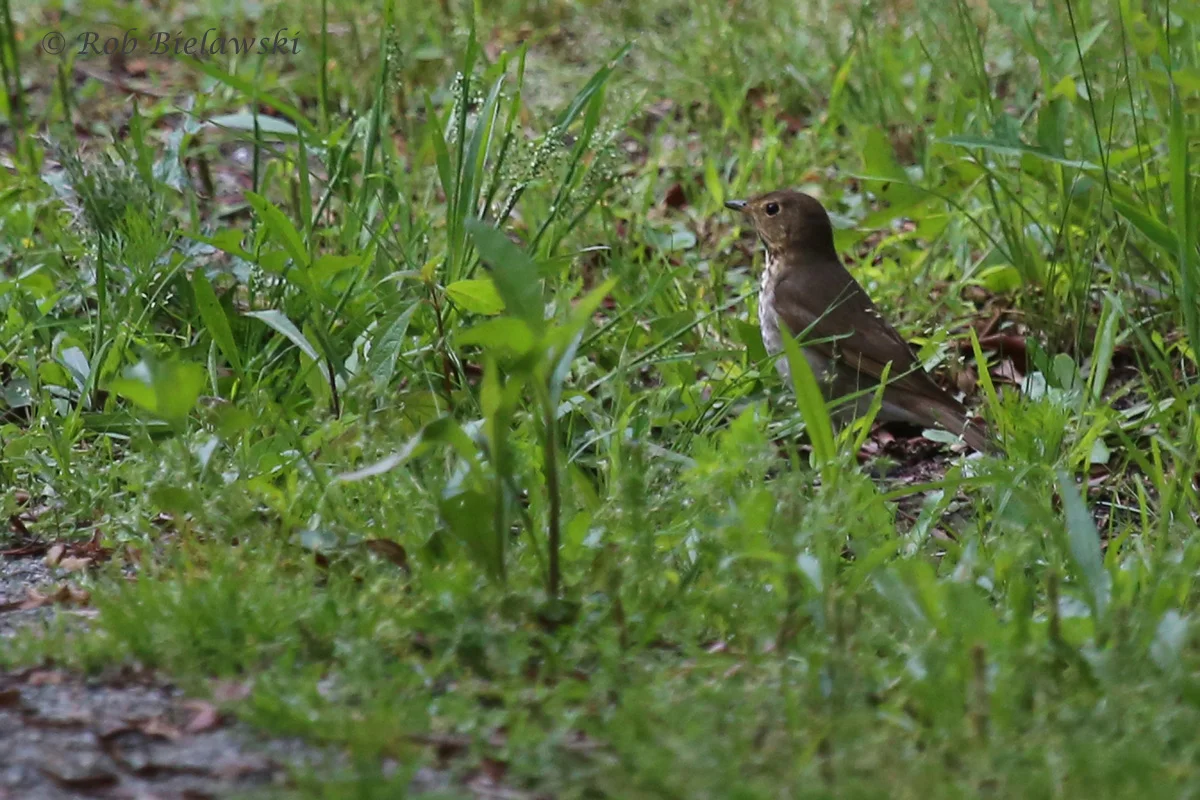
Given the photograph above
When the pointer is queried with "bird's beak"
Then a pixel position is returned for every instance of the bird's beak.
(736, 205)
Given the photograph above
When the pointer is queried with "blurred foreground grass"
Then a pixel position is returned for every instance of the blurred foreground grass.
(551, 510)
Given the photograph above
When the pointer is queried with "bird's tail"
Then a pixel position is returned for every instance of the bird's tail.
(954, 419)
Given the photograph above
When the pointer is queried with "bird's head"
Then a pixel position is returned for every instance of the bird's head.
(788, 221)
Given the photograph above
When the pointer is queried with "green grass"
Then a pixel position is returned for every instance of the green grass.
(247, 347)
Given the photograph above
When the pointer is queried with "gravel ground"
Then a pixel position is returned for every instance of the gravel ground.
(17, 577)
(131, 735)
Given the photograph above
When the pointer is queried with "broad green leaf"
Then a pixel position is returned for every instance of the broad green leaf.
(167, 389)
(1083, 545)
(879, 161)
(668, 241)
(1085, 42)
(516, 276)
(750, 336)
(507, 335)
(585, 307)
(441, 151)
(562, 367)
(385, 464)
(1015, 149)
(469, 515)
(328, 265)
(491, 397)
(276, 320)
(1143, 34)
(76, 362)
(838, 87)
(253, 91)
(215, 320)
(594, 84)
(1064, 372)
(281, 227)
(901, 601)
(1170, 637)
(477, 295)
(1146, 224)
(570, 335)
(940, 435)
(274, 260)
(713, 184)
(386, 346)
(1186, 80)
(471, 170)
(1001, 278)
(811, 403)
(244, 121)
(446, 430)
(1053, 126)
(16, 393)
(1104, 346)
(985, 378)
(228, 240)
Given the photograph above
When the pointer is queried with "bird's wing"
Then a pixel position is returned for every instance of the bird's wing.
(833, 315)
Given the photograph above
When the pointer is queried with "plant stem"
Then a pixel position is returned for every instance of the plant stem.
(447, 367)
(550, 432)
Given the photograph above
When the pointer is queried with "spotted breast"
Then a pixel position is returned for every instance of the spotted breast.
(768, 320)
(768, 323)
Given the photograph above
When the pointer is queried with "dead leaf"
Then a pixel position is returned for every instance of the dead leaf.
(46, 677)
(494, 769)
(75, 564)
(66, 595)
(82, 778)
(676, 197)
(35, 599)
(1097, 475)
(392, 551)
(242, 766)
(965, 381)
(55, 554)
(580, 742)
(83, 613)
(109, 732)
(205, 716)
(447, 745)
(229, 691)
(793, 122)
(1006, 372)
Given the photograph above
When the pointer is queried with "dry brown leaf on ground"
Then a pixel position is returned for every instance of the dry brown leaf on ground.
(205, 716)
(389, 550)
(66, 595)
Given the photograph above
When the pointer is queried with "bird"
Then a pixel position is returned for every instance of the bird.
(844, 338)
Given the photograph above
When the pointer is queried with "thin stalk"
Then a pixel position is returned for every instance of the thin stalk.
(323, 74)
(447, 366)
(553, 530)
(11, 65)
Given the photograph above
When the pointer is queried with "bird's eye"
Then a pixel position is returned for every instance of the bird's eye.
(772, 209)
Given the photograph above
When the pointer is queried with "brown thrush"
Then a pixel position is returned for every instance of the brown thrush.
(843, 336)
